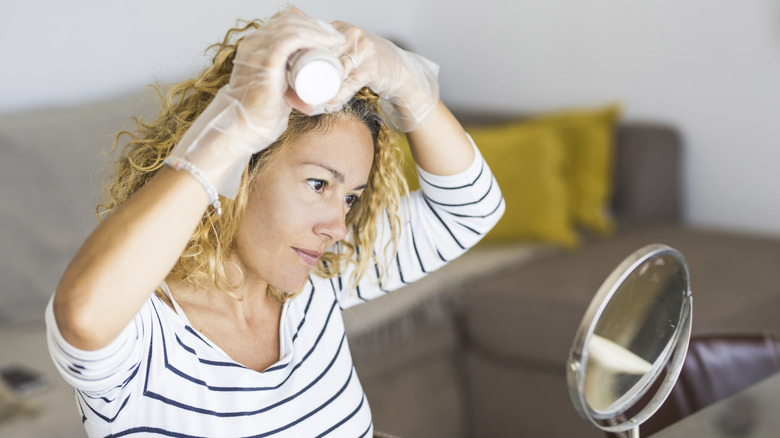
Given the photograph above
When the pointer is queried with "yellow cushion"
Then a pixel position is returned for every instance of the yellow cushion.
(589, 138)
(528, 162)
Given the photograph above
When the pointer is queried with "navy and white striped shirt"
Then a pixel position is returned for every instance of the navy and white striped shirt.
(161, 377)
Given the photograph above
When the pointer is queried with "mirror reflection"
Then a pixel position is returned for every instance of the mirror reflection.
(634, 334)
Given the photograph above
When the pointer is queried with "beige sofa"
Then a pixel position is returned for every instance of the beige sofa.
(479, 350)
(476, 349)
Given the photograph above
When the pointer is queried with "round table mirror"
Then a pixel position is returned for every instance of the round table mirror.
(631, 343)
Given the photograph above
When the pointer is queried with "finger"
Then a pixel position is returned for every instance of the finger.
(287, 9)
(352, 52)
(349, 62)
(341, 25)
(351, 85)
(295, 102)
(272, 47)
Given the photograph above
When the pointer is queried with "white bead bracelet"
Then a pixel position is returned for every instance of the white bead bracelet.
(182, 164)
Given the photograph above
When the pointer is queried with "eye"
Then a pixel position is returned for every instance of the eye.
(351, 200)
(317, 185)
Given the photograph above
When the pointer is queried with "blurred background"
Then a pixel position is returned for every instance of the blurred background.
(709, 67)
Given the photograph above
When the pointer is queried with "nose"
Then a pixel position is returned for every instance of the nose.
(333, 222)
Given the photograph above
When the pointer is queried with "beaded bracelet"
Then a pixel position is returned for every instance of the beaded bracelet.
(182, 164)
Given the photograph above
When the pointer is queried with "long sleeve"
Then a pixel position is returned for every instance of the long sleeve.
(441, 221)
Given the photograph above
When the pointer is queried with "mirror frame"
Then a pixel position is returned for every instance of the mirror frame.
(628, 417)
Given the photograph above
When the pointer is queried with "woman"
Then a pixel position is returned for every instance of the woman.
(234, 329)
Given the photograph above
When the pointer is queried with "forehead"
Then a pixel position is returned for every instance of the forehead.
(344, 145)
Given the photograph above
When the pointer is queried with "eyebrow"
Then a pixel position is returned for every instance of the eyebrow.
(336, 174)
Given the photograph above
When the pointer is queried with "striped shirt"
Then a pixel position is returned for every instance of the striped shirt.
(161, 377)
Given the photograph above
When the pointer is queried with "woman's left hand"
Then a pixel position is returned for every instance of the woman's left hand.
(406, 80)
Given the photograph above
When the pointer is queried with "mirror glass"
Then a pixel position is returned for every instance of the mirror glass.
(632, 328)
(633, 332)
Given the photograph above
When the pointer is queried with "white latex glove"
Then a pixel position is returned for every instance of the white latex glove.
(252, 111)
(405, 80)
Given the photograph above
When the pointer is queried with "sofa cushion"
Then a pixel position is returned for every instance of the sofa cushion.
(528, 162)
(530, 313)
(417, 388)
(643, 151)
(555, 170)
(511, 401)
(589, 138)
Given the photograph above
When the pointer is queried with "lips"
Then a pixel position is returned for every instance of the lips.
(309, 257)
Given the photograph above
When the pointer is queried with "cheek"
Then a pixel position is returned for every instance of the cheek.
(286, 212)
(280, 215)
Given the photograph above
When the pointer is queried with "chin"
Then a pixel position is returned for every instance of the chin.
(292, 286)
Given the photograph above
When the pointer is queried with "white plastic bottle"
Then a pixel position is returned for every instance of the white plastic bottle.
(315, 75)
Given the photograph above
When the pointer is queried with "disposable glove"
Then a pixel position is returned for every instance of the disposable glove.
(406, 82)
(252, 111)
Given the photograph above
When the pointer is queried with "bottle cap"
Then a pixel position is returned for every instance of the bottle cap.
(316, 76)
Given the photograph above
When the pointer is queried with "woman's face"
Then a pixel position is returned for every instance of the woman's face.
(298, 204)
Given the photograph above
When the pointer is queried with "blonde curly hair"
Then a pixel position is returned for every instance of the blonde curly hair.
(204, 262)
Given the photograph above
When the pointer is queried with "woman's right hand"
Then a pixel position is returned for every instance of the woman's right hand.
(251, 112)
(259, 78)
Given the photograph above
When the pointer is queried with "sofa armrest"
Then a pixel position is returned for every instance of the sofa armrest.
(647, 173)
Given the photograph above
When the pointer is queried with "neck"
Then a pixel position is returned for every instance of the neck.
(243, 304)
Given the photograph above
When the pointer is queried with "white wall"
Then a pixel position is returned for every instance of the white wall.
(59, 52)
(711, 67)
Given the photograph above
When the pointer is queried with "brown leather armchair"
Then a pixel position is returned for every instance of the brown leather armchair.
(717, 366)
